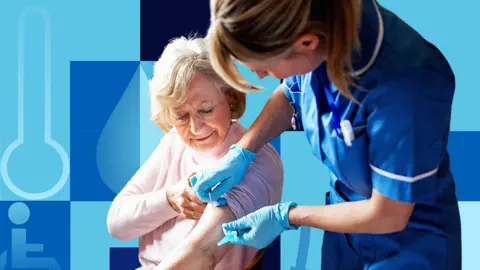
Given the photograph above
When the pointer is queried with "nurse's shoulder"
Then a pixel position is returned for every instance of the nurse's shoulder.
(408, 59)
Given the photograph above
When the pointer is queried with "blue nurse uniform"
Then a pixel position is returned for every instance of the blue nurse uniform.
(401, 130)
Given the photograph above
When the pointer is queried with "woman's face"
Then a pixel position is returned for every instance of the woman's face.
(204, 119)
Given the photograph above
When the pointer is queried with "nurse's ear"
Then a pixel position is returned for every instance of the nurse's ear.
(308, 42)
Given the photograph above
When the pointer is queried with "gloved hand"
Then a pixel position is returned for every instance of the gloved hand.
(227, 173)
(260, 228)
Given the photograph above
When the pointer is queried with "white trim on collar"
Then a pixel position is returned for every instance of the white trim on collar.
(378, 45)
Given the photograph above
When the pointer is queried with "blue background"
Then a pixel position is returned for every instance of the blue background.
(102, 55)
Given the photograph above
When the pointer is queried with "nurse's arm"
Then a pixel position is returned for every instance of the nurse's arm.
(274, 119)
(378, 215)
(199, 250)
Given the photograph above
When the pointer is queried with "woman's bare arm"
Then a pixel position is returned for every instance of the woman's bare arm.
(199, 250)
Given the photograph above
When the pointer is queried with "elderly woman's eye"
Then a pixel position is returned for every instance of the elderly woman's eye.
(206, 111)
(181, 118)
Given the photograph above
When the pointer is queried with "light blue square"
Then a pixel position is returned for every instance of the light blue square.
(150, 133)
(256, 101)
(306, 182)
(470, 225)
(47, 35)
(450, 25)
(90, 240)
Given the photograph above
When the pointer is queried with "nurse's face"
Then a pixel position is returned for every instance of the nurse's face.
(309, 51)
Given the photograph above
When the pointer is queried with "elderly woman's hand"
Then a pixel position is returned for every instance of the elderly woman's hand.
(183, 199)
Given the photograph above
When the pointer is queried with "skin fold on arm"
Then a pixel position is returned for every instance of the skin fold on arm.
(199, 250)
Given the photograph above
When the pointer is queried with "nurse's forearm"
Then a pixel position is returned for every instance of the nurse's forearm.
(374, 216)
(274, 119)
(350, 217)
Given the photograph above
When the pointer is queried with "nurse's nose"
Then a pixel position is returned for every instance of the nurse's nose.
(261, 74)
(196, 124)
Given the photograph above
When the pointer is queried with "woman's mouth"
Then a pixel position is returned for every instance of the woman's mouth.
(202, 139)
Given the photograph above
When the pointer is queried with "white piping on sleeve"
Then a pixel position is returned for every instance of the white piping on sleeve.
(408, 179)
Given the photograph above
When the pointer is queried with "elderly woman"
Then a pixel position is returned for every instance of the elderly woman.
(197, 112)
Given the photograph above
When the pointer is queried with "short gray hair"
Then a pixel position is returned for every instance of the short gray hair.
(181, 60)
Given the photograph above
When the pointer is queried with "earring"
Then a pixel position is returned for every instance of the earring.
(231, 109)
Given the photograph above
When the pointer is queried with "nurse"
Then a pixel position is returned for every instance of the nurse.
(374, 100)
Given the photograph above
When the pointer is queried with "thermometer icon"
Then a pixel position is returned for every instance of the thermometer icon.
(48, 140)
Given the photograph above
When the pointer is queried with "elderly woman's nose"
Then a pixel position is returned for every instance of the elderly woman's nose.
(196, 124)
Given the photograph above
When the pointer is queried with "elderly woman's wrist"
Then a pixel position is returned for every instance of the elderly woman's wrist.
(169, 193)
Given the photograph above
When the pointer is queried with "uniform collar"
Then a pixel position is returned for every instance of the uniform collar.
(370, 37)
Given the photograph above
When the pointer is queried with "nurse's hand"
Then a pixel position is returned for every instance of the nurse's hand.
(260, 228)
(227, 173)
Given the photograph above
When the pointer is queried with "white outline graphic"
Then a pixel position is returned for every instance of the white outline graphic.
(47, 136)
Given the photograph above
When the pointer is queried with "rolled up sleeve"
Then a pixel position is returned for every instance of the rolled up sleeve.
(261, 186)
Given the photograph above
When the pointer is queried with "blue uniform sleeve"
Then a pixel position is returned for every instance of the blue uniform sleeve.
(408, 129)
(289, 85)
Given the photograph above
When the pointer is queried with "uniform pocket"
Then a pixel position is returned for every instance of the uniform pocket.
(353, 162)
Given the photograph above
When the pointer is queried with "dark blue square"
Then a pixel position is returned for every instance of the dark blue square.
(127, 258)
(124, 258)
(161, 21)
(104, 128)
(271, 259)
(276, 143)
(45, 225)
(464, 148)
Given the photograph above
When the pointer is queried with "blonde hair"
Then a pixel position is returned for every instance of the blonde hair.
(173, 73)
(266, 30)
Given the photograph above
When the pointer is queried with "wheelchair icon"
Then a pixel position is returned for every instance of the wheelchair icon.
(19, 214)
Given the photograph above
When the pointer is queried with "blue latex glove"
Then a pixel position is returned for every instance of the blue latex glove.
(260, 228)
(220, 202)
(227, 173)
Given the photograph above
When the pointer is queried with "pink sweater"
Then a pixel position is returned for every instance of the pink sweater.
(141, 209)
